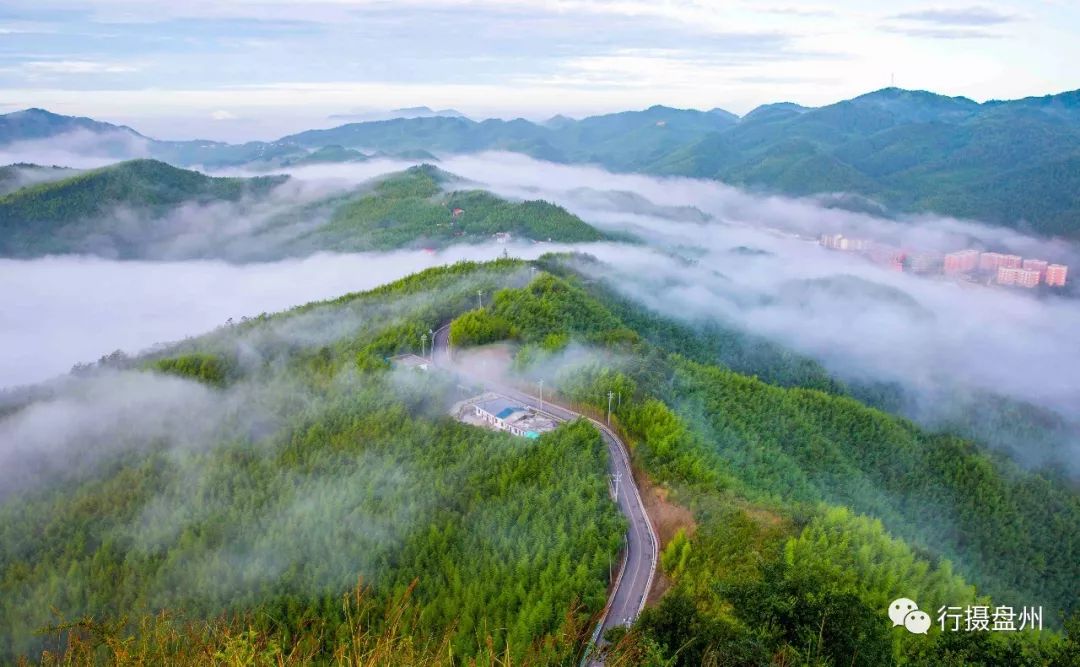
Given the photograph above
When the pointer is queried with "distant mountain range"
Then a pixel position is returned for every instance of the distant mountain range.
(407, 112)
(1014, 163)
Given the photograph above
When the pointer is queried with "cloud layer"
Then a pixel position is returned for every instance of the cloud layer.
(711, 254)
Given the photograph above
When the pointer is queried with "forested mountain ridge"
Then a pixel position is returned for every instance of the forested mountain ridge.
(146, 209)
(1012, 163)
(912, 151)
(33, 124)
(59, 215)
(811, 511)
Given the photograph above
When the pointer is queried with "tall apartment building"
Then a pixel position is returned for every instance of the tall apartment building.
(1056, 274)
(1018, 277)
(1036, 265)
(964, 261)
(925, 262)
(990, 261)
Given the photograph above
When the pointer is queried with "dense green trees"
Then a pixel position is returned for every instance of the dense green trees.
(811, 510)
(757, 588)
(318, 477)
(478, 327)
(707, 430)
(408, 210)
(206, 368)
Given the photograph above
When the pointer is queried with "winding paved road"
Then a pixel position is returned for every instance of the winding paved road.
(635, 577)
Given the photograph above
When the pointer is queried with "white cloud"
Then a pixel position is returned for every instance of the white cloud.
(77, 67)
(59, 311)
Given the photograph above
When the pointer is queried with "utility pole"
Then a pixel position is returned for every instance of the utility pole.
(423, 345)
(480, 298)
(541, 394)
(610, 397)
(432, 334)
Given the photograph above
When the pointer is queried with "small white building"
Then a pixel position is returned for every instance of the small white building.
(410, 361)
(503, 414)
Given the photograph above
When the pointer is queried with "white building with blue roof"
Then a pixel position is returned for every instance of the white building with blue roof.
(507, 415)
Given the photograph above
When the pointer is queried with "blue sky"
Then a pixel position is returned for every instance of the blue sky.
(257, 68)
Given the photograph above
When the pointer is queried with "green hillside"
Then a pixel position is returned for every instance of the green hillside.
(1009, 163)
(16, 176)
(331, 471)
(810, 511)
(410, 209)
(148, 209)
(768, 459)
(58, 216)
(327, 154)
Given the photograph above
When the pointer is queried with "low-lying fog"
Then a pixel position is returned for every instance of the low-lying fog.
(711, 253)
(59, 311)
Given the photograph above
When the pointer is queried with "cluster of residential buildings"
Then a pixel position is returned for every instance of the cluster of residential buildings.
(879, 253)
(1012, 270)
(1007, 269)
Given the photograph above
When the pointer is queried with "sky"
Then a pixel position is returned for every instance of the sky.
(247, 69)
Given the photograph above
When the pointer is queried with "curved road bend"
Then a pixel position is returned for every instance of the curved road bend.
(635, 579)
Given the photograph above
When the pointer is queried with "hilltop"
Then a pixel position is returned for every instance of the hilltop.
(16, 176)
